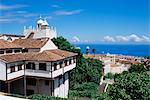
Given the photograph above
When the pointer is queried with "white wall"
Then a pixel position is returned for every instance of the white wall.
(56, 87)
(66, 85)
(2, 71)
(49, 46)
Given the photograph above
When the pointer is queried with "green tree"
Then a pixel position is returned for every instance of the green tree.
(130, 86)
(94, 51)
(109, 76)
(137, 68)
(87, 72)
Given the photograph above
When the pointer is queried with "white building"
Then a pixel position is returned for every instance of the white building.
(34, 65)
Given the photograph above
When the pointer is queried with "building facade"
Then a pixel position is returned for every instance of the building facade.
(34, 65)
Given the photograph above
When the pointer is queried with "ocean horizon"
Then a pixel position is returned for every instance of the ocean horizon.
(124, 49)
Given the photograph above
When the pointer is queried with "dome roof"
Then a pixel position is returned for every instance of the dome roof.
(45, 23)
(40, 21)
(87, 47)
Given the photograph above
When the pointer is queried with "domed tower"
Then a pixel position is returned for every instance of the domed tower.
(39, 23)
(87, 50)
(45, 24)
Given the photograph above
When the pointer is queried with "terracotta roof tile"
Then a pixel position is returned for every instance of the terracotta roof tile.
(48, 55)
(31, 43)
(4, 44)
(12, 35)
(62, 53)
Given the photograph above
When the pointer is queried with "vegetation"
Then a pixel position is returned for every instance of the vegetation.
(109, 76)
(44, 97)
(94, 51)
(137, 68)
(85, 78)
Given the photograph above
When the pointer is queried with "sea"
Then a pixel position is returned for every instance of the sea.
(124, 49)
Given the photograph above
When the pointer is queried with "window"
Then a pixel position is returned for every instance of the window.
(1, 52)
(55, 66)
(30, 66)
(24, 50)
(8, 51)
(69, 61)
(74, 60)
(47, 82)
(12, 69)
(31, 81)
(16, 51)
(20, 67)
(42, 66)
(9, 38)
(66, 62)
(61, 64)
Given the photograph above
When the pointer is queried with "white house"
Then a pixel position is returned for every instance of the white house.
(34, 65)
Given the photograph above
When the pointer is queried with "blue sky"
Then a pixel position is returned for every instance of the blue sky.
(88, 21)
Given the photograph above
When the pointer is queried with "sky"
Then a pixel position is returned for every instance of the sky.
(82, 21)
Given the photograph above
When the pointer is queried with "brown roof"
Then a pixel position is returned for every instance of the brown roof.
(31, 43)
(36, 56)
(62, 53)
(12, 35)
(6, 44)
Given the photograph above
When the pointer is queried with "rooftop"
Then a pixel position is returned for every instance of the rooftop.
(6, 44)
(31, 43)
(48, 55)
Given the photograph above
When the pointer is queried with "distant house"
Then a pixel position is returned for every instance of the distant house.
(33, 64)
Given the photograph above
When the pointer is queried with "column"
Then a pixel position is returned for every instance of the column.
(8, 87)
(25, 86)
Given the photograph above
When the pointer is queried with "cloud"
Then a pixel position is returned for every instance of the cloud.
(129, 38)
(65, 12)
(55, 6)
(109, 39)
(75, 39)
(10, 20)
(135, 38)
(122, 38)
(9, 7)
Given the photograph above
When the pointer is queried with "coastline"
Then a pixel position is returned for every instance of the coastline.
(139, 50)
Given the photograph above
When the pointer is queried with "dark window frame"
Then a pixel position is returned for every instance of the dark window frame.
(66, 62)
(30, 65)
(2, 52)
(61, 64)
(9, 51)
(43, 66)
(12, 69)
(17, 50)
(55, 66)
(19, 67)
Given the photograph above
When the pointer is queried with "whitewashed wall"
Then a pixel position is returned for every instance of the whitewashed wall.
(2, 71)
(49, 46)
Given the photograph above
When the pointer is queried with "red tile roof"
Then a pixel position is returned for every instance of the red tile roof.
(6, 44)
(30, 43)
(12, 35)
(62, 53)
(48, 55)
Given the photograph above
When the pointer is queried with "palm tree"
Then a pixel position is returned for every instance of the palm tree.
(94, 50)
